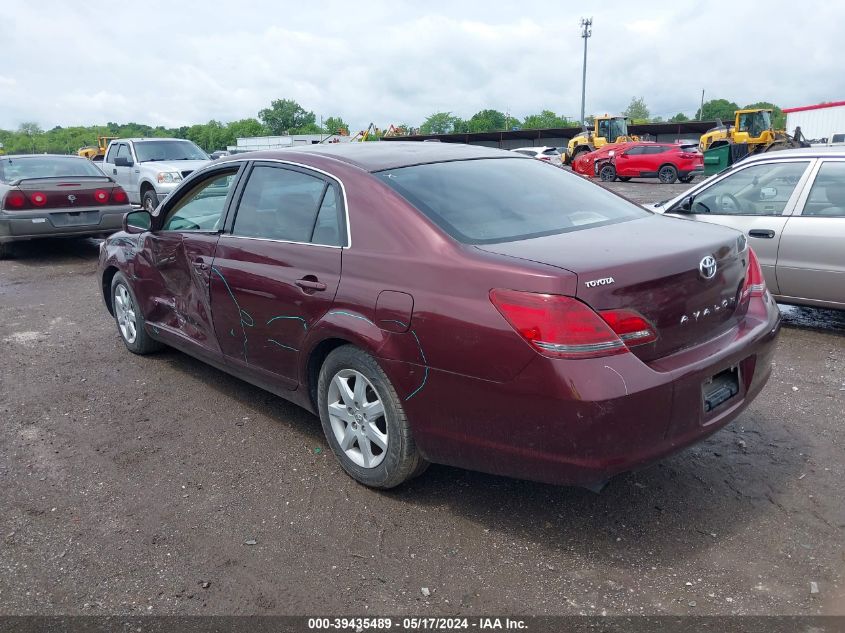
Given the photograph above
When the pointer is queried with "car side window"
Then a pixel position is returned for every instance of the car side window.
(201, 209)
(329, 228)
(635, 151)
(111, 153)
(756, 190)
(123, 151)
(827, 195)
(656, 149)
(279, 204)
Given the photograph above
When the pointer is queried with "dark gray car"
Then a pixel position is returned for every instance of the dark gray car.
(44, 195)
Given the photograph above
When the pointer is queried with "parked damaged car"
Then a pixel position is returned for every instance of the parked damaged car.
(452, 304)
(668, 162)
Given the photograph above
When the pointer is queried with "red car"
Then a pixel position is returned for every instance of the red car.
(450, 303)
(667, 162)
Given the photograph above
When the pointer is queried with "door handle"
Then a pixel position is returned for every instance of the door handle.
(114, 171)
(310, 284)
(765, 234)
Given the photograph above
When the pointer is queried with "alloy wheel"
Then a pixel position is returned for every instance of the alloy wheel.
(358, 419)
(124, 312)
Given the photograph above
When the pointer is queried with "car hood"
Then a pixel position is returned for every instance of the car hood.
(176, 165)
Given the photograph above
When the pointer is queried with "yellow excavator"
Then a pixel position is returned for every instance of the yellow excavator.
(753, 128)
(606, 129)
(98, 152)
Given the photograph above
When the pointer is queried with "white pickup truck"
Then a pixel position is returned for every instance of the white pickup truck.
(150, 168)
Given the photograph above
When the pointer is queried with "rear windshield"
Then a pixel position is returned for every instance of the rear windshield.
(168, 150)
(13, 169)
(506, 199)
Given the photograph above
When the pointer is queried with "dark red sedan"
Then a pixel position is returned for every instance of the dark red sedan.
(450, 304)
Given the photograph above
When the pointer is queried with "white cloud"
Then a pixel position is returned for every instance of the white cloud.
(166, 63)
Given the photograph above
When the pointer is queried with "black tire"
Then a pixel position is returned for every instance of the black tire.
(5, 250)
(401, 460)
(577, 153)
(607, 173)
(143, 343)
(667, 174)
(149, 201)
(624, 178)
(687, 179)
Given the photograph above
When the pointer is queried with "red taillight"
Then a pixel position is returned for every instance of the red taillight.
(630, 326)
(101, 196)
(118, 195)
(557, 326)
(14, 200)
(755, 283)
(38, 199)
(688, 154)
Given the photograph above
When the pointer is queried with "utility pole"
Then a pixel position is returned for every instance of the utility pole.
(701, 111)
(586, 32)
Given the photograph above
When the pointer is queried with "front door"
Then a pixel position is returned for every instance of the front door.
(123, 174)
(277, 267)
(175, 263)
(811, 258)
(756, 200)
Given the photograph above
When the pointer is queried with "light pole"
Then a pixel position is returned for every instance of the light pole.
(586, 32)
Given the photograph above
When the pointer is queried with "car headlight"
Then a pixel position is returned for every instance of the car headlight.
(169, 176)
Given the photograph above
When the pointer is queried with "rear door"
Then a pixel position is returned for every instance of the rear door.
(756, 199)
(172, 270)
(811, 258)
(277, 267)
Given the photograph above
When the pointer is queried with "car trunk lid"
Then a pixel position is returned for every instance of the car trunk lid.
(67, 192)
(656, 266)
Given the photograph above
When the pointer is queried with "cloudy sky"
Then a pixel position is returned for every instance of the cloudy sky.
(175, 63)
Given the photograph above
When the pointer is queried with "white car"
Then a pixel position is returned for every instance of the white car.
(791, 205)
(546, 154)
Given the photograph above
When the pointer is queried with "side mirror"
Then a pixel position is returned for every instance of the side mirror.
(684, 206)
(122, 161)
(137, 222)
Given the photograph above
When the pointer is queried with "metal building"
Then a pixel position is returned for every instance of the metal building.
(817, 122)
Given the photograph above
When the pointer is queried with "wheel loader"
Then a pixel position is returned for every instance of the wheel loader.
(753, 128)
(98, 152)
(606, 129)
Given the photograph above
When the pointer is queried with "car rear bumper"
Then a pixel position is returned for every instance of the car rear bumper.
(27, 225)
(695, 171)
(581, 422)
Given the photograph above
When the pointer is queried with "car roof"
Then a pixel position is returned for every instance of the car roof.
(801, 152)
(378, 156)
(16, 156)
(141, 139)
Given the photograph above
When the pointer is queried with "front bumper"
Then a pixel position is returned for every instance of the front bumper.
(25, 225)
(582, 422)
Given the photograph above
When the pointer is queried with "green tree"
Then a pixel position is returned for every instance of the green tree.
(439, 123)
(637, 110)
(717, 109)
(546, 119)
(211, 136)
(778, 117)
(679, 118)
(486, 121)
(286, 116)
(334, 125)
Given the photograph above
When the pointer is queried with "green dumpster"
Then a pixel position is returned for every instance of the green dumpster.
(716, 159)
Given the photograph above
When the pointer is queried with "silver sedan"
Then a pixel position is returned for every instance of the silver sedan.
(791, 205)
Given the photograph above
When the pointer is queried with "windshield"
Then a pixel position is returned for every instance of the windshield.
(618, 127)
(755, 123)
(168, 150)
(506, 199)
(13, 169)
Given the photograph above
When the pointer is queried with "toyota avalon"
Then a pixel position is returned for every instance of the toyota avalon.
(450, 304)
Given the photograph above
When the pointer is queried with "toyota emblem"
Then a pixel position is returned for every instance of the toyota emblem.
(707, 267)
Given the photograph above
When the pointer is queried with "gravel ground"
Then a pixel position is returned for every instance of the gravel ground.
(160, 485)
